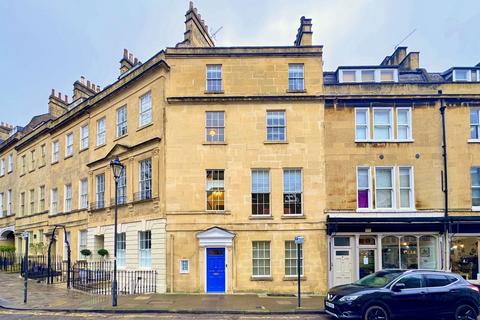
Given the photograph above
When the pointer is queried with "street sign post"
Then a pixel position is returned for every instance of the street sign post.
(25, 237)
(299, 240)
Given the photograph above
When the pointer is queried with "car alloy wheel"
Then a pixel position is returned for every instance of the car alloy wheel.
(466, 312)
(376, 313)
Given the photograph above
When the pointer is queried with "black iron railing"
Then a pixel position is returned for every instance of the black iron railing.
(37, 266)
(96, 278)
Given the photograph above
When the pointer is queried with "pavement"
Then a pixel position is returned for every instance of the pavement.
(57, 298)
(41, 315)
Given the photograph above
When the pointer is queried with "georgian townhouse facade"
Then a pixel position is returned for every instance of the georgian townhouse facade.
(231, 152)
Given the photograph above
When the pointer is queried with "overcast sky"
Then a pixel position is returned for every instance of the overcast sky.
(50, 44)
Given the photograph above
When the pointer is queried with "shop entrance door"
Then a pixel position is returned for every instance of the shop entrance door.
(342, 267)
(366, 262)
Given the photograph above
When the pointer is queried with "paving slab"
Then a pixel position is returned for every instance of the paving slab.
(58, 298)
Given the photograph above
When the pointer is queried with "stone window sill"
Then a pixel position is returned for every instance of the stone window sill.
(144, 126)
(294, 278)
(82, 150)
(220, 143)
(275, 142)
(214, 92)
(68, 157)
(261, 217)
(100, 146)
(261, 278)
(296, 91)
(121, 137)
(473, 140)
(293, 216)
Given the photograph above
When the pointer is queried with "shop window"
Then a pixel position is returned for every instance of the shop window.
(367, 241)
(390, 253)
(341, 242)
(408, 252)
(428, 252)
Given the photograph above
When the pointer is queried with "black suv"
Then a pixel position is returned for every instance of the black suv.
(405, 294)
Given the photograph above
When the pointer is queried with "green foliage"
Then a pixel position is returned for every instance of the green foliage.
(86, 252)
(8, 249)
(38, 248)
(103, 252)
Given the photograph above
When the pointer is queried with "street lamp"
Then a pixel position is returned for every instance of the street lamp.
(117, 168)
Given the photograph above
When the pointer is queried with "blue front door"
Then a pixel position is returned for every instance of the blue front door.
(216, 270)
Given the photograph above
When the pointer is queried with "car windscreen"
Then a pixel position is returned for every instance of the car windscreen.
(378, 279)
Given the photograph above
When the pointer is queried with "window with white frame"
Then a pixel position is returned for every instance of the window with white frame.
(54, 201)
(68, 198)
(22, 203)
(260, 192)
(475, 124)
(84, 137)
(41, 198)
(55, 150)
(145, 249)
(475, 183)
(368, 75)
(184, 266)
(145, 179)
(462, 75)
(394, 188)
(9, 202)
(382, 124)
(364, 188)
(121, 249)
(100, 191)
(405, 187)
(215, 126)
(24, 164)
(2, 167)
(296, 77)
(10, 163)
(83, 242)
(291, 259)
(387, 75)
(101, 127)
(384, 183)
(261, 259)
(214, 78)
(122, 121)
(69, 145)
(349, 76)
(362, 124)
(32, 160)
(2, 212)
(276, 126)
(83, 193)
(215, 193)
(292, 192)
(145, 114)
(404, 124)
(122, 187)
(43, 154)
(32, 201)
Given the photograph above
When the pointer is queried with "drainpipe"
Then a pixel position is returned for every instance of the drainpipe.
(446, 221)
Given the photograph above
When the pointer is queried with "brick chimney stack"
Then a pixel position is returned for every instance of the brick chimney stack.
(56, 105)
(83, 89)
(128, 61)
(304, 34)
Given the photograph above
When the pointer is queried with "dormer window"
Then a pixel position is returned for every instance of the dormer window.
(465, 75)
(368, 75)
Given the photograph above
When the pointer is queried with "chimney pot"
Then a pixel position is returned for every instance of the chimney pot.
(98, 88)
(130, 57)
(66, 98)
(60, 95)
(135, 61)
(52, 93)
(82, 80)
(88, 83)
(125, 53)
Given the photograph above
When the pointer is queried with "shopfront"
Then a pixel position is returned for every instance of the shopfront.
(465, 246)
(358, 248)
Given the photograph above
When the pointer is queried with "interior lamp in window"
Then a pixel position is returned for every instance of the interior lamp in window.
(212, 133)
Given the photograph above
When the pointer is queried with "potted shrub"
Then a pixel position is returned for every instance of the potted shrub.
(103, 253)
(86, 253)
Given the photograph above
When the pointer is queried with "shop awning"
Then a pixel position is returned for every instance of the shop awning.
(385, 224)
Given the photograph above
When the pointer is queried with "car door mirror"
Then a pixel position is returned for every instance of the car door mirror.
(397, 287)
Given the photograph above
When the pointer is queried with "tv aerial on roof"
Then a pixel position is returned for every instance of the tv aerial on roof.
(215, 32)
(403, 40)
